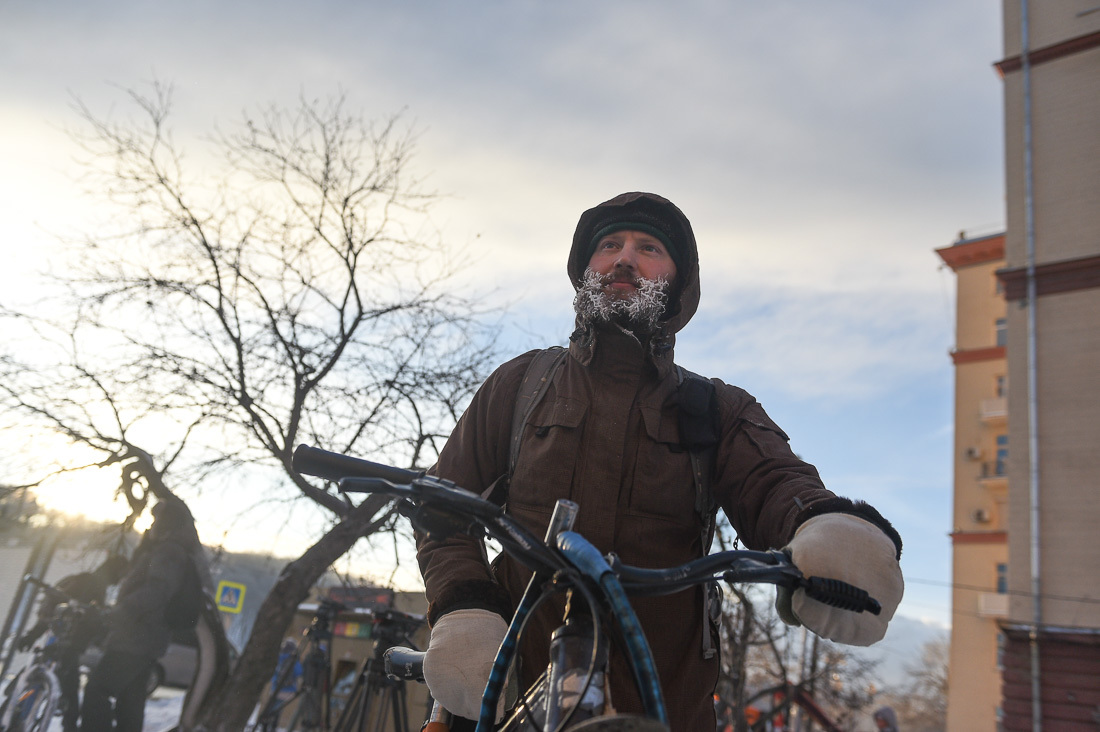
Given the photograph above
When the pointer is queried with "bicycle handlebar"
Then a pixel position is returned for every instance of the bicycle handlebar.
(774, 567)
(334, 466)
(404, 663)
(53, 592)
(440, 507)
(45, 587)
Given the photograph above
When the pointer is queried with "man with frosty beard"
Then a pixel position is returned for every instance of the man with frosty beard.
(607, 434)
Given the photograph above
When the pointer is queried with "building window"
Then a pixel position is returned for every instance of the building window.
(1001, 386)
(1002, 578)
(1002, 331)
(1002, 455)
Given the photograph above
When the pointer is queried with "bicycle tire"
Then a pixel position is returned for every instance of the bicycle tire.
(33, 700)
(620, 723)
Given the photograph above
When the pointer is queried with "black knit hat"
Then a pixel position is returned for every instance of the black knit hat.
(645, 212)
(639, 215)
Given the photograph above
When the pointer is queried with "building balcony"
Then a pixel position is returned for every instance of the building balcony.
(994, 470)
(994, 476)
(993, 605)
(993, 411)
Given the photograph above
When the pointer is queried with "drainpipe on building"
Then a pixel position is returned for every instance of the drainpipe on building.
(1032, 379)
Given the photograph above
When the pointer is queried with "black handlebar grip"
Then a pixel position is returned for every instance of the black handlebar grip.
(404, 663)
(842, 595)
(334, 466)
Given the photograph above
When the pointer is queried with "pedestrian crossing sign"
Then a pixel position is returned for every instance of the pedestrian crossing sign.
(230, 596)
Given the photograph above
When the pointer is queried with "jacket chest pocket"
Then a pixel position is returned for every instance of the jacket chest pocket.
(663, 485)
(548, 454)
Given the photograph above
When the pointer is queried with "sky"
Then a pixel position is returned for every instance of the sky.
(821, 150)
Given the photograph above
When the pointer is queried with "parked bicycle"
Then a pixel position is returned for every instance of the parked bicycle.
(33, 695)
(569, 695)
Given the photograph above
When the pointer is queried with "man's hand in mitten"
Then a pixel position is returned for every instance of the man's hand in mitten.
(459, 658)
(844, 547)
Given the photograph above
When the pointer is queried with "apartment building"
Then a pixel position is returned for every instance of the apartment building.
(980, 515)
(1051, 280)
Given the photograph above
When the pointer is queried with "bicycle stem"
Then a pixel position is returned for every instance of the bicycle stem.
(588, 560)
(562, 519)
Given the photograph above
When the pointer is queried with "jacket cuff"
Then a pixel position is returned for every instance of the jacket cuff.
(476, 594)
(860, 509)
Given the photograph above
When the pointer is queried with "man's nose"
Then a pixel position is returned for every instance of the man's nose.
(627, 258)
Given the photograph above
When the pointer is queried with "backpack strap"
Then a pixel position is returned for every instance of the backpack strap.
(536, 381)
(699, 435)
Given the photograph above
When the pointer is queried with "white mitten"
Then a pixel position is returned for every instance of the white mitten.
(459, 658)
(845, 547)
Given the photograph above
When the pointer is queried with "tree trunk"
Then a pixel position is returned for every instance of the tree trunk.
(229, 707)
(744, 635)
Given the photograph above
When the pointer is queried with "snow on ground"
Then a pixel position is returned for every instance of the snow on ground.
(162, 711)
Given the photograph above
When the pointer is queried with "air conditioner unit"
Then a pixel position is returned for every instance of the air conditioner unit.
(980, 516)
(974, 453)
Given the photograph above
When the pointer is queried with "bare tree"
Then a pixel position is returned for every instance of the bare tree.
(777, 668)
(921, 704)
(292, 291)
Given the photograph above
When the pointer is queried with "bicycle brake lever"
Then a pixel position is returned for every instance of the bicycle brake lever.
(436, 523)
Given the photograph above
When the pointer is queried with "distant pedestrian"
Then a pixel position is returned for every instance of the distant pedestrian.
(138, 631)
(886, 719)
(84, 587)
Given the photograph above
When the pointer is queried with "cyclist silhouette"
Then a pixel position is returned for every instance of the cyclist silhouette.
(138, 632)
(87, 587)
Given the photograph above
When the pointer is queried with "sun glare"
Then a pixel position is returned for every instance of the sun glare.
(90, 493)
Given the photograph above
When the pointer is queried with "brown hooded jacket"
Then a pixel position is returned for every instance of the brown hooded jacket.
(607, 436)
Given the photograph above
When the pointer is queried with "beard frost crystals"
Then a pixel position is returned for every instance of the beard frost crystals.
(639, 314)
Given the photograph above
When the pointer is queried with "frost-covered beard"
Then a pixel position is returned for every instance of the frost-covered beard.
(639, 314)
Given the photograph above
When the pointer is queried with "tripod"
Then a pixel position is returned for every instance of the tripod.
(314, 693)
(377, 698)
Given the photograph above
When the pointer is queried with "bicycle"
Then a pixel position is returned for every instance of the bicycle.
(32, 697)
(569, 694)
(314, 691)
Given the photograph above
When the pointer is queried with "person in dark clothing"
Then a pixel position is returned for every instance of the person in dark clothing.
(608, 435)
(85, 587)
(886, 720)
(137, 631)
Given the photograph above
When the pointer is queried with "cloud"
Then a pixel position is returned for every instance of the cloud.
(819, 345)
(821, 151)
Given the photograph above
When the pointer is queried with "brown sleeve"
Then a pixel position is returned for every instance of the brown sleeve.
(455, 570)
(764, 488)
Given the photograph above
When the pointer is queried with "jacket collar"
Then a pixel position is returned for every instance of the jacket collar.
(658, 350)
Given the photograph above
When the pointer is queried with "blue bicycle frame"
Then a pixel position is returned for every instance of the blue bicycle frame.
(584, 557)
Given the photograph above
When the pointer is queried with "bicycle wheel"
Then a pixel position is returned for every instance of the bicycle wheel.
(620, 723)
(31, 706)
